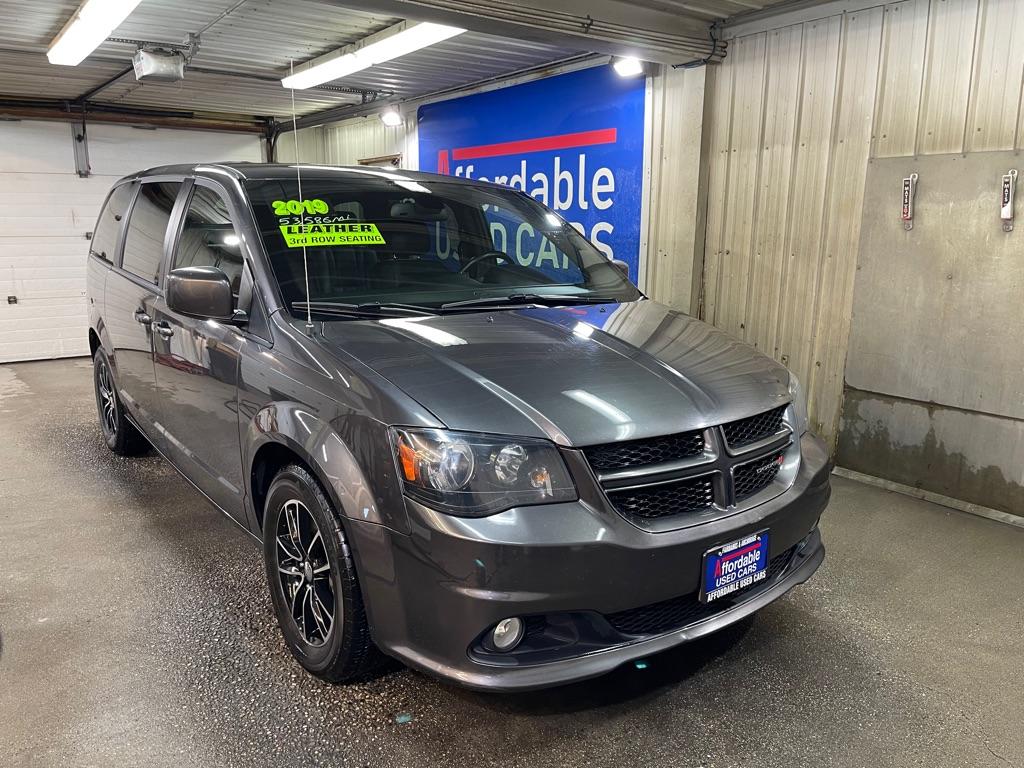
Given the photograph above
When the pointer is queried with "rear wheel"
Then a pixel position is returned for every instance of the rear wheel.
(312, 580)
(119, 434)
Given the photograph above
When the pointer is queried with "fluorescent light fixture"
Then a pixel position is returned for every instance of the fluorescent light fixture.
(627, 66)
(231, 240)
(391, 117)
(399, 40)
(90, 25)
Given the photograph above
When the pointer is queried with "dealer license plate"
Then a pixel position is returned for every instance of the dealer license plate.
(732, 567)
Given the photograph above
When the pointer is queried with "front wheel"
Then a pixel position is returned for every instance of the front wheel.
(312, 580)
(119, 434)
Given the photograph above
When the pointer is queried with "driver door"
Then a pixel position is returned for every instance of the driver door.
(197, 360)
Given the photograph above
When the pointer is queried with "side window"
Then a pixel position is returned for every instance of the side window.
(208, 238)
(104, 238)
(147, 228)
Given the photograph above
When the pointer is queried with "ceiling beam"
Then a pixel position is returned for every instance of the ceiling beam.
(65, 111)
(612, 27)
(788, 14)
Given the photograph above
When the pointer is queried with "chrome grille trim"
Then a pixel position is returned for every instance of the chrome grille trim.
(736, 433)
(778, 438)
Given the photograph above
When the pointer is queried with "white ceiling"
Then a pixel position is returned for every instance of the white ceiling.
(245, 49)
(247, 46)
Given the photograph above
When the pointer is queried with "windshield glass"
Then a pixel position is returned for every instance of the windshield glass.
(378, 237)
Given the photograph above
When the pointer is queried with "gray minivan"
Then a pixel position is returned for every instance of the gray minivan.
(464, 438)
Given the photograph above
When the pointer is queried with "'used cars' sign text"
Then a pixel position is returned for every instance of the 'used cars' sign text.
(574, 142)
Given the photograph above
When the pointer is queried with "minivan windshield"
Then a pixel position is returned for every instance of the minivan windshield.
(379, 238)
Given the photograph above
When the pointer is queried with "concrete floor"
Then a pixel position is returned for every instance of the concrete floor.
(136, 630)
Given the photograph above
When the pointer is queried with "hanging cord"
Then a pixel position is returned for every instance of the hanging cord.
(706, 59)
(302, 211)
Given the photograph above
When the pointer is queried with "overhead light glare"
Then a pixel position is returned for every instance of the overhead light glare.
(86, 30)
(402, 39)
(391, 117)
(628, 66)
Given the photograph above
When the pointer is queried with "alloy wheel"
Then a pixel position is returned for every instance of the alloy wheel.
(304, 570)
(108, 401)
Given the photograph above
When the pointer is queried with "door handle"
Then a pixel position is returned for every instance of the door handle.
(142, 317)
(164, 330)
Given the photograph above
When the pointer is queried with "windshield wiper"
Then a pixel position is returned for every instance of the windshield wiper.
(366, 309)
(525, 299)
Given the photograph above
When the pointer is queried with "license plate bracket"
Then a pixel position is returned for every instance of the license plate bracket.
(731, 568)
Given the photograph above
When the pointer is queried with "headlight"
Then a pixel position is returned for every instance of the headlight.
(799, 405)
(474, 475)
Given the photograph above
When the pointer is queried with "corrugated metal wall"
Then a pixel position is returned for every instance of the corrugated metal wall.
(673, 249)
(362, 139)
(796, 113)
(348, 142)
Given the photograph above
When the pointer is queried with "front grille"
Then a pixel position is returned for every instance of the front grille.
(756, 475)
(679, 612)
(690, 495)
(724, 466)
(750, 430)
(640, 453)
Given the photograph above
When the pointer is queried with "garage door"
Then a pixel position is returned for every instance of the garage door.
(46, 211)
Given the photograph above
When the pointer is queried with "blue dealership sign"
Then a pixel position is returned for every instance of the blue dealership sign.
(573, 141)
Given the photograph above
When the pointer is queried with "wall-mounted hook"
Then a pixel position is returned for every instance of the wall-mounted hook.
(1006, 200)
(909, 190)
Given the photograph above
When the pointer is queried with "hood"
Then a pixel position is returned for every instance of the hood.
(576, 375)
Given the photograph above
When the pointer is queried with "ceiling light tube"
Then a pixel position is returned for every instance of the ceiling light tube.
(86, 30)
(399, 40)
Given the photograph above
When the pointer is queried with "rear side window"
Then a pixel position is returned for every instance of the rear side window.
(104, 239)
(147, 228)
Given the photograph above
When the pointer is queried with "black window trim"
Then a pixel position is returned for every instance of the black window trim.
(115, 259)
(158, 287)
(248, 258)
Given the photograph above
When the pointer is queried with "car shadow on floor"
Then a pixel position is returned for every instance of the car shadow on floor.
(633, 681)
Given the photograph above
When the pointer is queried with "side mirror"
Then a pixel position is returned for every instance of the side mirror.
(201, 292)
(622, 266)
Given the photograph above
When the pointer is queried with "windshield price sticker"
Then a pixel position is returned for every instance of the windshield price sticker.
(297, 207)
(325, 234)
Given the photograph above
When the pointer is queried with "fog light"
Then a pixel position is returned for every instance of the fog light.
(507, 633)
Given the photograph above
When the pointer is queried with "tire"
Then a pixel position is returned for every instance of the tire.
(119, 433)
(312, 579)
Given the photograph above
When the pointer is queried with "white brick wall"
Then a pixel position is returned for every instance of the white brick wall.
(46, 209)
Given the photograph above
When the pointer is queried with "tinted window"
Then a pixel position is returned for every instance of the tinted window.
(147, 227)
(208, 238)
(104, 239)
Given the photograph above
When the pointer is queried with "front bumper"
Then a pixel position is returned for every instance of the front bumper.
(430, 595)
